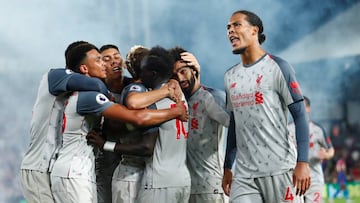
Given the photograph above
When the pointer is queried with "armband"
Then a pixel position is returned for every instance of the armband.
(109, 146)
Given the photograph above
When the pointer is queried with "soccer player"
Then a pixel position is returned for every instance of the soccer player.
(46, 127)
(259, 91)
(73, 175)
(205, 158)
(320, 148)
(166, 177)
(127, 176)
(115, 81)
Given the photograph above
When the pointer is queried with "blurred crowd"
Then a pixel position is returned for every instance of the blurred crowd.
(346, 141)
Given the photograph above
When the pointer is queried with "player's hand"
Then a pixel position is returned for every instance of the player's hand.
(301, 178)
(95, 138)
(226, 181)
(184, 116)
(190, 60)
(322, 153)
(175, 92)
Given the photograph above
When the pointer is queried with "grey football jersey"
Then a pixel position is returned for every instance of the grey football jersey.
(46, 121)
(82, 113)
(205, 157)
(132, 134)
(167, 167)
(259, 95)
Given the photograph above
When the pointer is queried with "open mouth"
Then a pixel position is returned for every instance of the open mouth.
(117, 69)
(233, 40)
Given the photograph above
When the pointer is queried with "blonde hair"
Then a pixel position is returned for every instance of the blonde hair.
(133, 59)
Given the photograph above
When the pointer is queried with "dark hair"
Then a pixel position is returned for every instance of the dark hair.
(176, 53)
(254, 20)
(70, 47)
(159, 60)
(77, 54)
(307, 101)
(109, 46)
(133, 60)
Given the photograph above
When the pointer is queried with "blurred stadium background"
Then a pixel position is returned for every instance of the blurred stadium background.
(319, 38)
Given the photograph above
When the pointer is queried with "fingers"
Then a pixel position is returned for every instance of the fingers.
(226, 187)
(302, 185)
(190, 60)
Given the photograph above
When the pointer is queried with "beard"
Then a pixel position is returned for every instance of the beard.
(187, 91)
(239, 50)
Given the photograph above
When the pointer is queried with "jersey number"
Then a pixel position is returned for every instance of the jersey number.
(180, 127)
(317, 197)
(288, 195)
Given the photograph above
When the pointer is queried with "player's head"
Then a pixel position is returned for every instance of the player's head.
(86, 59)
(133, 60)
(185, 74)
(113, 61)
(244, 29)
(71, 46)
(156, 67)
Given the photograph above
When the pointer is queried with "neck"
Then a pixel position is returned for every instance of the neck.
(252, 54)
(115, 86)
(196, 87)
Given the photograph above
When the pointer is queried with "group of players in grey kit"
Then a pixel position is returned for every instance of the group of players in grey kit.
(176, 156)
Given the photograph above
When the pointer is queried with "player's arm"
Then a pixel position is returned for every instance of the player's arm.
(90, 102)
(143, 148)
(80, 82)
(140, 100)
(301, 175)
(215, 106)
(229, 156)
(146, 117)
(62, 80)
(326, 152)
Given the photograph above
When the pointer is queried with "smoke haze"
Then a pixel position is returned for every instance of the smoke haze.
(34, 35)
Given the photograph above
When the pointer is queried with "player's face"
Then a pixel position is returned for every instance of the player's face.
(186, 77)
(95, 65)
(113, 63)
(240, 33)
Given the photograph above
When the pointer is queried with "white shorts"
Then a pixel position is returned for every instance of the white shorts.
(124, 191)
(71, 190)
(314, 194)
(269, 189)
(36, 186)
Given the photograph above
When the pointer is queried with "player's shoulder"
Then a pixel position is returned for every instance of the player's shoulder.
(135, 87)
(232, 67)
(60, 71)
(92, 95)
(317, 125)
(284, 65)
(215, 92)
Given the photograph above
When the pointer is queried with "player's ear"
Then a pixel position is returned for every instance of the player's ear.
(255, 30)
(83, 69)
